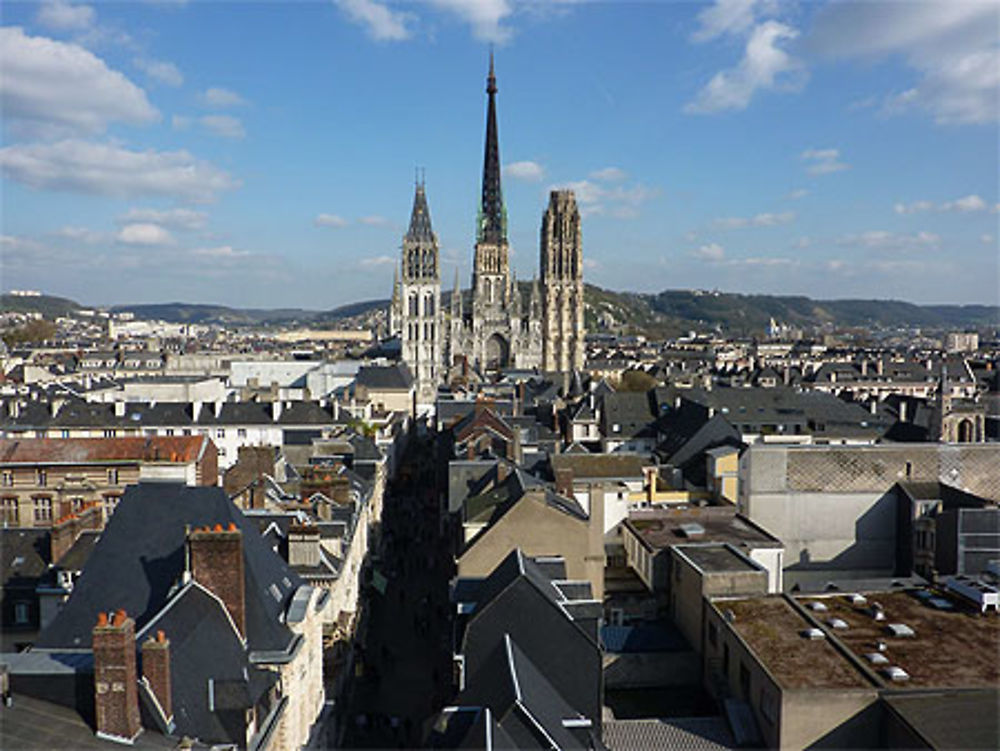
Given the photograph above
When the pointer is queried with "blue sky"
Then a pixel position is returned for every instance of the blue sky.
(263, 154)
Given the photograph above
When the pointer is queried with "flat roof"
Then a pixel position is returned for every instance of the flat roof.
(717, 558)
(661, 528)
(771, 628)
(949, 649)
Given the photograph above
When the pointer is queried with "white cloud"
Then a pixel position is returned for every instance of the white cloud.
(55, 88)
(764, 66)
(987, 239)
(609, 174)
(618, 201)
(144, 234)
(109, 169)
(374, 220)
(376, 262)
(796, 194)
(221, 253)
(226, 126)
(527, 171)
(484, 16)
(62, 16)
(711, 252)
(952, 47)
(765, 261)
(84, 235)
(759, 220)
(160, 70)
(802, 243)
(181, 122)
(216, 96)
(963, 205)
(724, 17)
(330, 220)
(823, 161)
(885, 240)
(183, 219)
(382, 24)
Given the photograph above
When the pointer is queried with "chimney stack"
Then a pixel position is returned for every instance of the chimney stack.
(564, 482)
(156, 671)
(217, 564)
(116, 689)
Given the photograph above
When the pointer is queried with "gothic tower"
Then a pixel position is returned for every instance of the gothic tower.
(562, 280)
(419, 301)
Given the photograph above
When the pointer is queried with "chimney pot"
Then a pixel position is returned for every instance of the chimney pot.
(120, 617)
(218, 528)
(161, 637)
(232, 526)
(102, 619)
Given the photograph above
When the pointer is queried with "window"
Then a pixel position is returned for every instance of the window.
(43, 509)
(8, 509)
(110, 503)
(76, 504)
(241, 432)
(39, 434)
(222, 451)
(41, 478)
(112, 477)
(22, 613)
(186, 431)
(8, 478)
(110, 433)
(220, 433)
(168, 431)
(65, 434)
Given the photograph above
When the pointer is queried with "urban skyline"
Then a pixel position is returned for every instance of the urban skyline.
(262, 156)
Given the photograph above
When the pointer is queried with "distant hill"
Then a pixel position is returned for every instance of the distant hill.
(666, 313)
(49, 306)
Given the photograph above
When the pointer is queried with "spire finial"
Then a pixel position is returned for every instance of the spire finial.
(491, 79)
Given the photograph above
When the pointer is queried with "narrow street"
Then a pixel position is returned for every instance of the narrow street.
(404, 666)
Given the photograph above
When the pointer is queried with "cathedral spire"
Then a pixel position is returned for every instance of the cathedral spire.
(420, 218)
(492, 214)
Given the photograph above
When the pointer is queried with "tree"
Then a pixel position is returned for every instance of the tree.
(636, 380)
(38, 330)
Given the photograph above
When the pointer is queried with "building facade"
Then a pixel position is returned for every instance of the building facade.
(499, 328)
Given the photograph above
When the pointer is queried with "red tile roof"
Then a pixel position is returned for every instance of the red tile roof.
(96, 450)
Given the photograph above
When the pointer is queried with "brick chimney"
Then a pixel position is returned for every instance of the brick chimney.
(116, 690)
(156, 671)
(216, 555)
(62, 536)
(564, 481)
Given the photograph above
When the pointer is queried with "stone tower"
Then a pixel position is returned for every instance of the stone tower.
(562, 281)
(419, 301)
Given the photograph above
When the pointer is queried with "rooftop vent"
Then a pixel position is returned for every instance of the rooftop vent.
(838, 623)
(876, 612)
(895, 673)
(819, 607)
(692, 530)
(940, 603)
(877, 658)
(901, 630)
(813, 634)
(857, 600)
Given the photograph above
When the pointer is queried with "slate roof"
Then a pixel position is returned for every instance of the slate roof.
(672, 734)
(951, 719)
(204, 646)
(385, 377)
(24, 553)
(79, 552)
(631, 411)
(140, 558)
(603, 466)
(30, 723)
(528, 708)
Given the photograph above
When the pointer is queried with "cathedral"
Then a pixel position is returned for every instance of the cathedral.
(496, 327)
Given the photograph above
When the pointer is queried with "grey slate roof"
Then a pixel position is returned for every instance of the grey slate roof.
(673, 734)
(140, 557)
(385, 377)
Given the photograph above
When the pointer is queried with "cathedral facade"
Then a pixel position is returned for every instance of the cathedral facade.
(496, 327)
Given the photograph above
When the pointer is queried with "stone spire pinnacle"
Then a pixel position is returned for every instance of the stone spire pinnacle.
(420, 218)
(536, 299)
(492, 214)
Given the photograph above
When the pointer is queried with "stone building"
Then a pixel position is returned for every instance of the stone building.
(562, 278)
(499, 329)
